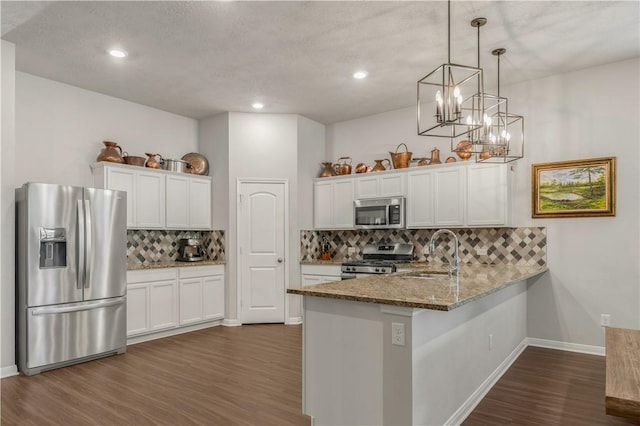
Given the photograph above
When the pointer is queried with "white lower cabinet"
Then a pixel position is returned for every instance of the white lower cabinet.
(137, 309)
(318, 274)
(151, 300)
(201, 294)
(166, 299)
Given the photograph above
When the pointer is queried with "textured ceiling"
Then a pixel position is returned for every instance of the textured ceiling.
(201, 58)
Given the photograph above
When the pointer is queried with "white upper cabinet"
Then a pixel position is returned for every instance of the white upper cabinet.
(121, 180)
(177, 202)
(158, 199)
(188, 203)
(373, 185)
(199, 203)
(333, 204)
(449, 196)
(489, 195)
(150, 200)
(419, 203)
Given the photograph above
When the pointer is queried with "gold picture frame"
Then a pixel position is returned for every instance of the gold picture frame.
(577, 188)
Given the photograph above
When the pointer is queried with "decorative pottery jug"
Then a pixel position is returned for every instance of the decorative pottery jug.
(435, 156)
(378, 167)
(111, 152)
(152, 162)
(327, 170)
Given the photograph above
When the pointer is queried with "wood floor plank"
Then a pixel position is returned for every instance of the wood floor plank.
(252, 375)
(249, 375)
(548, 387)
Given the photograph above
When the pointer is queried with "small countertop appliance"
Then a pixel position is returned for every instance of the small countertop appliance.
(190, 250)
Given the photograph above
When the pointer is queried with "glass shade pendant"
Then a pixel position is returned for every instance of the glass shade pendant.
(506, 132)
(446, 96)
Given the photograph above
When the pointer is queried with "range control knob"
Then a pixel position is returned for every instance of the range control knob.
(377, 269)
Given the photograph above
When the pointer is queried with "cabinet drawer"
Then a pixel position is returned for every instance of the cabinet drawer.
(201, 271)
(144, 276)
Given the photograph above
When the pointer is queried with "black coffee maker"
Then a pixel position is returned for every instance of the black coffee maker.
(190, 250)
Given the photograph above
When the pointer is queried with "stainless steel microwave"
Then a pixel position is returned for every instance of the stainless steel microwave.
(379, 213)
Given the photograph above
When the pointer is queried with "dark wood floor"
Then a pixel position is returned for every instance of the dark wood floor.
(251, 375)
(548, 387)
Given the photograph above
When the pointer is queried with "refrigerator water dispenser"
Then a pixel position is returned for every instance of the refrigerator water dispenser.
(53, 248)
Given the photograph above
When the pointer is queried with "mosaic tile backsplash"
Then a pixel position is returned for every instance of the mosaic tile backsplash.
(150, 246)
(511, 246)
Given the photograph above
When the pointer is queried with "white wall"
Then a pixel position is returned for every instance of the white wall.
(261, 146)
(213, 137)
(310, 152)
(7, 211)
(369, 138)
(594, 262)
(60, 129)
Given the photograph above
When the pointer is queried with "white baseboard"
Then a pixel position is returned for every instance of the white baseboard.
(293, 321)
(564, 346)
(470, 404)
(171, 332)
(9, 371)
(231, 322)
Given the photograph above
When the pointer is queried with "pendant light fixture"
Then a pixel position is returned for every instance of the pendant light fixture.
(448, 94)
(482, 140)
(506, 141)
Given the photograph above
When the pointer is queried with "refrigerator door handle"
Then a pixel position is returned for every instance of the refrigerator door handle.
(89, 243)
(81, 253)
(78, 308)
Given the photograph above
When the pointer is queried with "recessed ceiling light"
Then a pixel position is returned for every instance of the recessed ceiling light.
(117, 53)
(257, 105)
(360, 74)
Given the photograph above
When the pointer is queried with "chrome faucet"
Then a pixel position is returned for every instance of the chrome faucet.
(454, 264)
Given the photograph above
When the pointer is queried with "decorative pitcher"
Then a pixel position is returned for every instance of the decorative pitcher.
(327, 170)
(111, 152)
(378, 167)
(152, 162)
(435, 156)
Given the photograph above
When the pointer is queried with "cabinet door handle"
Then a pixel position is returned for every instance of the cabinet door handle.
(280, 260)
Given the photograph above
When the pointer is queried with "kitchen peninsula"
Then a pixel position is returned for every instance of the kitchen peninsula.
(412, 347)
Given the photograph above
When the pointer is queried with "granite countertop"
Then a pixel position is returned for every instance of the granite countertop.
(439, 293)
(173, 264)
(322, 262)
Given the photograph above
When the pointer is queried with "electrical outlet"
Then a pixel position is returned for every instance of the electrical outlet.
(490, 342)
(397, 333)
(426, 250)
(481, 251)
(605, 320)
(351, 250)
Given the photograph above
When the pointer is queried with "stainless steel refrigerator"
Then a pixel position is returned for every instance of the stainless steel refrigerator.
(71, 275)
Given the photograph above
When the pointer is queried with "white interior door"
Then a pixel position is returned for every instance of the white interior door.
(261, 234)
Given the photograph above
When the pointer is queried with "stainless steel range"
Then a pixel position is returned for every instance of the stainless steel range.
(378, 259)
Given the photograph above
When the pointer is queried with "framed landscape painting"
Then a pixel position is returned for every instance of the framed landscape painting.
(578, 188)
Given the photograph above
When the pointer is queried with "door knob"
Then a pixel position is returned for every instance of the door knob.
(279, 260)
